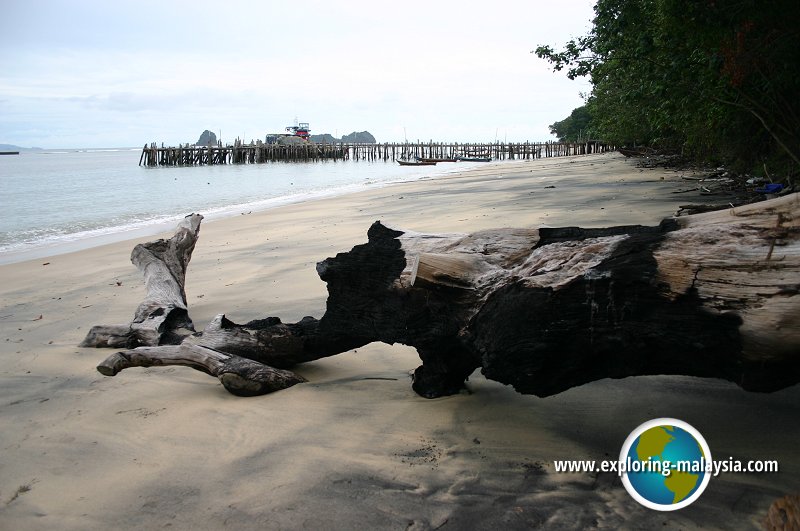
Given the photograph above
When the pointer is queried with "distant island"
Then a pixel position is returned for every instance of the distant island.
(12, 148)
(207, 138)
(363, 137)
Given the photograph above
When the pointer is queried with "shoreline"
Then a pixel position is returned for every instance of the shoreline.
(112, 235)
(354, 447)
(79, 241)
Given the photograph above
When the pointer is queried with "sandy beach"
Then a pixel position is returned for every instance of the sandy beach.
(355, 448)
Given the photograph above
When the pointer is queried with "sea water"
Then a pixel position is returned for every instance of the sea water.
(56, 201)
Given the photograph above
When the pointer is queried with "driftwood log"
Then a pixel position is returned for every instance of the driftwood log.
(163, 317)
(711, 295)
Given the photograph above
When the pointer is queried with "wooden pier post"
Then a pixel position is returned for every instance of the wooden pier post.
(259, 152)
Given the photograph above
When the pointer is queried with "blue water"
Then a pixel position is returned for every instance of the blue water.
(53, 197)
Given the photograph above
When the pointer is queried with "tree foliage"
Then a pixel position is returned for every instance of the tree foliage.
(573, 128)
(714, 78)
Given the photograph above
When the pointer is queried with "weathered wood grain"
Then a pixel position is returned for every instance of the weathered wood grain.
(712, 295)
(162, 318)
(240, 376)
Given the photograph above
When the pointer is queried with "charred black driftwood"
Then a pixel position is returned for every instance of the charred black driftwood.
(711, 295)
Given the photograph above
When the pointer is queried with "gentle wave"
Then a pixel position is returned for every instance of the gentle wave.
(33, 239)
(99, 194)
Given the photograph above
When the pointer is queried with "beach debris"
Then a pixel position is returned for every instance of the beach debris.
(38, 318)
(692, 209)
(783, 514)
(46, 264)
(772, 188)
(543, 310)
(22, 489)
(240, 376)
(162, 318)
(142, 412)
(637, 151)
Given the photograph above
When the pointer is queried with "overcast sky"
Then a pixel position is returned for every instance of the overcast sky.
(115, 73)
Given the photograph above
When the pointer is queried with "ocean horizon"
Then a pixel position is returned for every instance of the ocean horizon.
(61, 200)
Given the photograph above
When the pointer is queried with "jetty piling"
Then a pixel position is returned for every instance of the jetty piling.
(259, 152)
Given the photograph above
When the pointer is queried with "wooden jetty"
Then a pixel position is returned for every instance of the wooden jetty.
(260, 152)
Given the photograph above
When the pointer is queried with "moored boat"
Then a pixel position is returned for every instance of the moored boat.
(415, 163)
(434, 160)
(299, 129)
(474, 159)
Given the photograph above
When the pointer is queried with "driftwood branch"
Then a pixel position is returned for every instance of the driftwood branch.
(162, 318)
(240, 376)
(711, 295)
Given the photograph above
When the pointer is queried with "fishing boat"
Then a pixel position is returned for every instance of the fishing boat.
(299, 129)
(421, 159)
(474, 159)
(415, 163)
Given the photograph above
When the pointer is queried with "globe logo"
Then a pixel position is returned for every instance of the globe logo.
(666, 464)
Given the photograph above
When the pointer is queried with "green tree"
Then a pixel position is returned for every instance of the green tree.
(574, 128)
(714, 78)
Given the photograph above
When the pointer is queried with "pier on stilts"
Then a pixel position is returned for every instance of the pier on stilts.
(261, 152)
